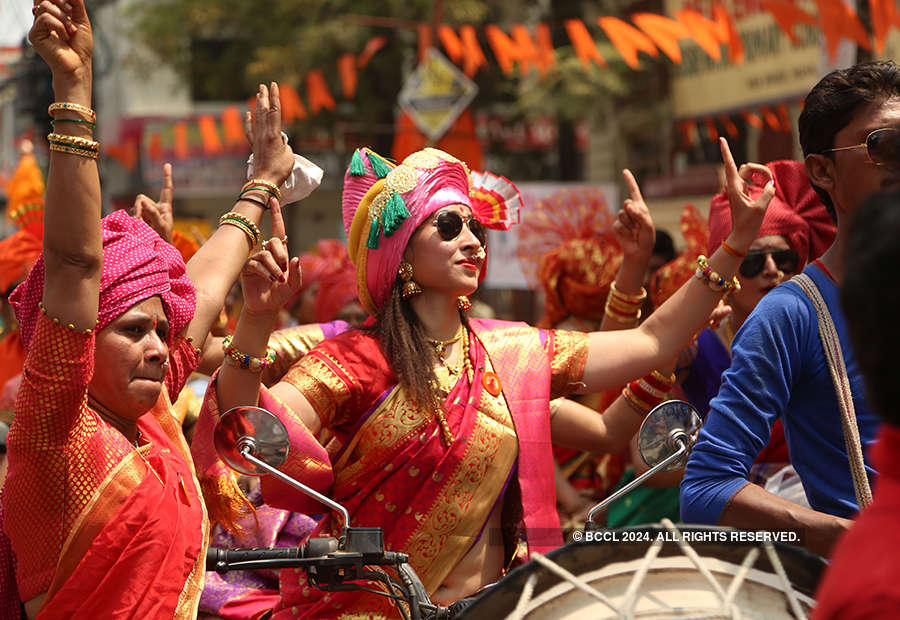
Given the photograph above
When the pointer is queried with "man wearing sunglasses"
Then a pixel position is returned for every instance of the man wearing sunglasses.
(779, 369)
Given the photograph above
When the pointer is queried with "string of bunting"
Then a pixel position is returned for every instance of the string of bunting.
(525, 50)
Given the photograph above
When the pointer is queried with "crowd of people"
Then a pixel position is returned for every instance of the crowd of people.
(471, 442)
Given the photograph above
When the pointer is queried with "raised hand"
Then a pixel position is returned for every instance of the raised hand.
(158, 215)
(273, 160)
(61, 35)
(746, 212)
(270, 278)
(634, 228)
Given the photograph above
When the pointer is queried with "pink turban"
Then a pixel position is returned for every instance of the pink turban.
(383, 209)
(796, 213)
(137, 265)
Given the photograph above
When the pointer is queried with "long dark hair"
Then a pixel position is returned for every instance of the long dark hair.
(407, 350)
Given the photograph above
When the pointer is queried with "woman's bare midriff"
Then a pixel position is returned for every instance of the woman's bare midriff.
(483, 564)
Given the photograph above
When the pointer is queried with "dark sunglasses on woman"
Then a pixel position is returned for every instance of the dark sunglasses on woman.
(882, 147)
(450, 224)
(786, 260)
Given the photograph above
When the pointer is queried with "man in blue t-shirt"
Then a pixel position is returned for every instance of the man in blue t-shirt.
(778, 365)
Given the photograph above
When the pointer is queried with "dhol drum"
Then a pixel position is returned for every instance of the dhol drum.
(660, 571)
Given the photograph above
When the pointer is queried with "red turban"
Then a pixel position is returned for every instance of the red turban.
(567, 247)
(137, 265)
(796, 213)
(329, 267)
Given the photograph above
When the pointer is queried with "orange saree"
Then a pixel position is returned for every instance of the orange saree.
(99, 526)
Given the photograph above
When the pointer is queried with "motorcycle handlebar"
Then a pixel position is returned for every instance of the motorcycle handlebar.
(216, 558)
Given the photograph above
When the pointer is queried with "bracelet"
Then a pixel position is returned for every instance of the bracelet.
(233, 218)
(73, 107)
(260, 182)
(623, 307)
(636, 403)
(71, 326)
(80, 121)
(634, 299)
(244, 361)
(732, 251)
(621, 317)
(74, 151)
(264, 205)
(258, 188)
(61, 139)
(715, 281)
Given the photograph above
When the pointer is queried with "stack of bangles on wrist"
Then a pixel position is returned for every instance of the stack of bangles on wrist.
(259, 185)
(646, 393)
(73, 145)
(622, 307)
(715, 281)
(246, 362)
(245, 224)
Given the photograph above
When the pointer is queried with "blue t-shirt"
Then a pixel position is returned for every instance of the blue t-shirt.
(779, 368)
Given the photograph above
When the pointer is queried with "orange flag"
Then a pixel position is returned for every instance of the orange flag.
(317, 93)
(711, 33)
(212, 144)
(372, 46)
(347, 70)
(181, 140)
(520, 48)
(729, 125)
(628, 40)
(583, 43)
(424, 31)
(155, 147)
(771, 118)
(126, 154)
(233, 126)
(711, 132)
(664, 32)
(463, 48)
(752, 119)
(784, 117)
(291, 106)
(787, 15)
(838, 21)
(884, 15)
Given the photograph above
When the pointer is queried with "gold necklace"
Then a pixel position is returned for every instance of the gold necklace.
(440, 346)
(470, 375)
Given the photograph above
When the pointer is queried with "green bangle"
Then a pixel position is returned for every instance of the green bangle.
(80, 121)
(261, 188)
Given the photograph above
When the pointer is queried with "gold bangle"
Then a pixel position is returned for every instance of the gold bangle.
(242, 221)
(264, 183)
(72, 107)
(74, 151)
(620, 318)
(73, 141)
(624, 308)
(670, 380)
(640, 297)
(652, 391)
(636, 403)
(243, 228)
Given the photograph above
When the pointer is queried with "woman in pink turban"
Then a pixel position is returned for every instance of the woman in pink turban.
(101, 503)
(444, 420)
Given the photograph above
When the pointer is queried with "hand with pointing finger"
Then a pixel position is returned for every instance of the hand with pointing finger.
(158, 215)
(747, 213)
(270, 277)
(634, 228)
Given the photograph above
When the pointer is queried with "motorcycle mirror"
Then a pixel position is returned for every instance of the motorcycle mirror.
(254, 430)
(663, 429)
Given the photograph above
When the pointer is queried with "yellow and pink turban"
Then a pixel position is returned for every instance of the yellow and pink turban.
(137, 265)
(383, 204)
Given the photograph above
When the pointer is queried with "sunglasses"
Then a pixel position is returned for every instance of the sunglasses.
(450, 224)
(882, 146)
(786, 260)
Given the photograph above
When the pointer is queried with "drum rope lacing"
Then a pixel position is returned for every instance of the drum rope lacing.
(632, 594)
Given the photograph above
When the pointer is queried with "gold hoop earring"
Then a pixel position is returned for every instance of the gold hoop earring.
(410, 287)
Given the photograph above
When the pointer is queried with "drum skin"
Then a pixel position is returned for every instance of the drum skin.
(671, 588)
